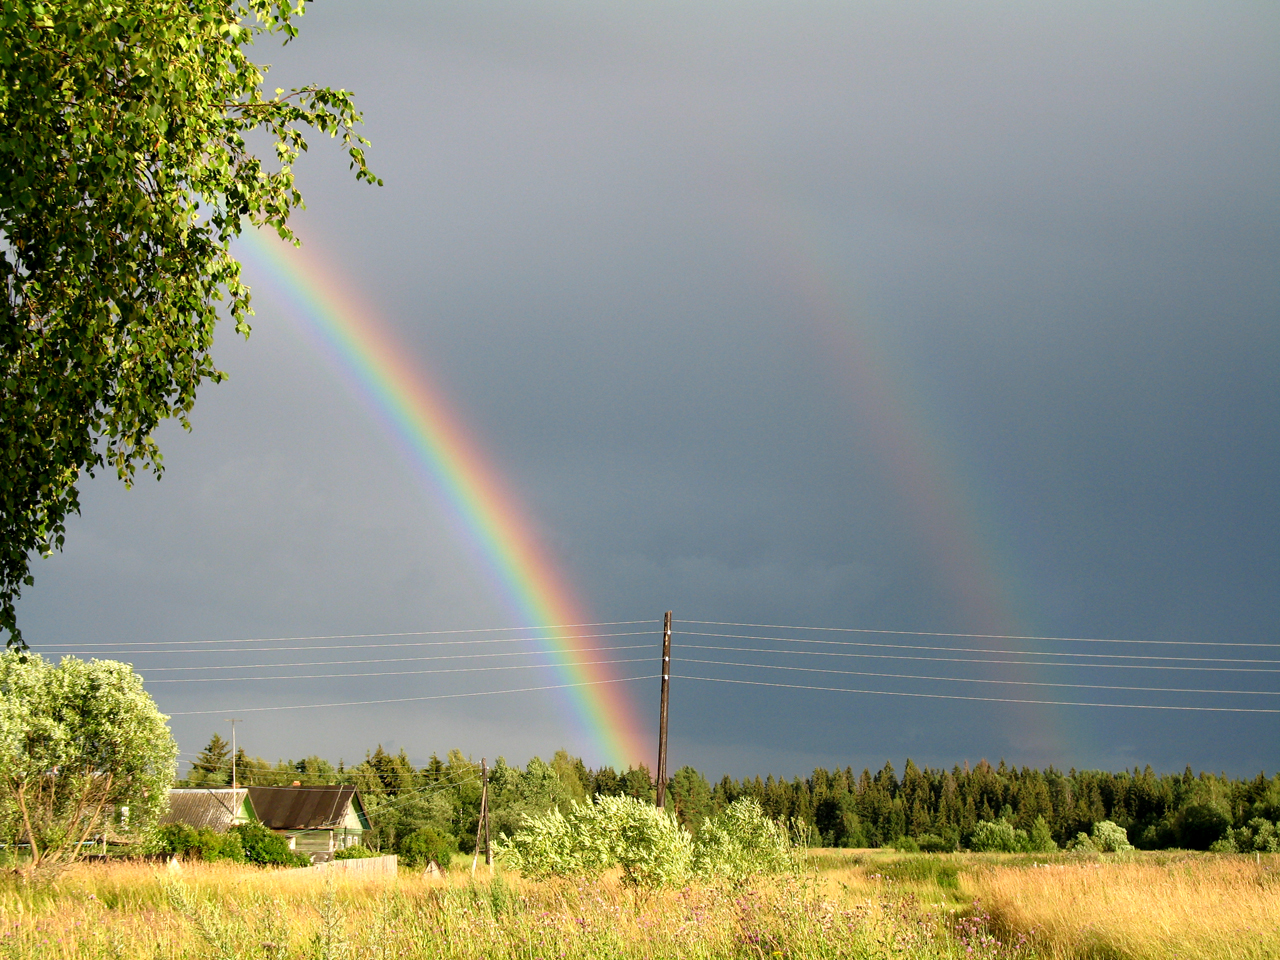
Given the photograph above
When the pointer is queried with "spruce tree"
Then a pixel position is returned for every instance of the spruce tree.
(213, 764)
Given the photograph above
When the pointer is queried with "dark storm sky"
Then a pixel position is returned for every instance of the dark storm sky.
(902, 316)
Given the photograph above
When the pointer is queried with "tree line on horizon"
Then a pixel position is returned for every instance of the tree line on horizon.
(935, 808)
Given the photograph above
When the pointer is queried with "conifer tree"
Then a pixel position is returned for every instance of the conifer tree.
(213, 764)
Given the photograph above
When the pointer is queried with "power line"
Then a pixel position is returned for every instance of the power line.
(976, 636)
(1025, 683)
(403, 673)
(438, 696)
(339, 663)
(975, 660)
(953, 696)
(420, 643)
(357, 636)
(1028, 653)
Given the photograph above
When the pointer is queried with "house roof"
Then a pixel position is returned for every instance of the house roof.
(215, 807)
(304, 808)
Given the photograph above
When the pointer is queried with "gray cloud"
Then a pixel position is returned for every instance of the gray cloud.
(612, 235)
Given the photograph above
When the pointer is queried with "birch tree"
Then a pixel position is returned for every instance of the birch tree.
(79, 743)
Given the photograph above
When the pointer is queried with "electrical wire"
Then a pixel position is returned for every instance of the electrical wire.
(976, 660)
(955, 696)
(1029, 653)
(1026, 683)
(357, 636)
(339, 663)
(402, 673)
(419, 643)
(438, 696)
(973, 636)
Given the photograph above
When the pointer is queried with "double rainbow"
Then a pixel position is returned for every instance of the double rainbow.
(447, 456)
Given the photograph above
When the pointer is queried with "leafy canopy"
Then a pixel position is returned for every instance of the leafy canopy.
(79, 743)
(124, 176)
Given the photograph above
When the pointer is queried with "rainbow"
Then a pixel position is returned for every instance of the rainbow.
(445, 453)
(955, 522)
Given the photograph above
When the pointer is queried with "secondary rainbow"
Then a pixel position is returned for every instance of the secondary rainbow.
(487, 516)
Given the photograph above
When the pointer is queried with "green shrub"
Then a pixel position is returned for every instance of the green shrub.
(265, 848)
(997, 836)
(1082, 844)
(1258, 835)
(740, 841)
(176, 839)
(1110, 837)
(425, 846)
(1198, 825)
(932, 843)
(1041, 839)
(906, 845)
(179, 839)
(356, 852)
(649, 845)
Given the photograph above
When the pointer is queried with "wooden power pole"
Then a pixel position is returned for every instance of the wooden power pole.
(482, 827)
(662, 712)
(484, 811)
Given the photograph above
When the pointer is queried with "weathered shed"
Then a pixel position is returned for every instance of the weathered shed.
(317, 820)
(218, 808)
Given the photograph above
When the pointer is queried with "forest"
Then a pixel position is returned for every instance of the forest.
(923, 808)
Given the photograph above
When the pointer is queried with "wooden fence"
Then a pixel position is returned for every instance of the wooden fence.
(367, 865)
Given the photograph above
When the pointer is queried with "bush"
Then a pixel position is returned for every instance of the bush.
(932, 843)
(740, 841)
(1258, 835)
(1082, 844)
(179, 839)
(1198, 825)
(355, 852)
(1110, 837)
(425, 846)
(176, 839)
(1041, 839)
(906, 845)
(265, 848)
(651, 848)
(997, 836)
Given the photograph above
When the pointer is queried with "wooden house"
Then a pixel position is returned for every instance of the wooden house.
(218, 808)
(317, 820)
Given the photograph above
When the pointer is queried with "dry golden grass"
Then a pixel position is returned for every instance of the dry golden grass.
(1143, 908)
(870, 904)
(236, 913)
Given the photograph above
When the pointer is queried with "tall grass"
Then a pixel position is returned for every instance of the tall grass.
(237, 913)
(867, 905)
(1141, 908)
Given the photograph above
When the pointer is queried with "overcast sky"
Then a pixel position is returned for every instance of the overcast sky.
(898, 316)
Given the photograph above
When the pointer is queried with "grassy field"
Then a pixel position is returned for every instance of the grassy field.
(843, 904)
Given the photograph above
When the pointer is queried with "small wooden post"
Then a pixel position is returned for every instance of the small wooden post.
(662, 712)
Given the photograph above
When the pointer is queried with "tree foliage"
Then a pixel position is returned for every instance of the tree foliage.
(125, 173)
(79, 744)
(935, 809)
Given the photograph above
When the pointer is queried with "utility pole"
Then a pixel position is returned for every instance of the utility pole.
(662, 712)
(233, 749)
(484, 811)
(482, 827)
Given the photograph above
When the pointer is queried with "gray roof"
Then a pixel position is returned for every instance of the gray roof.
(213, 807)
(304, 808)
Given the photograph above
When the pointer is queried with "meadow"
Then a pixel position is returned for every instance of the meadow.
(868, 904)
